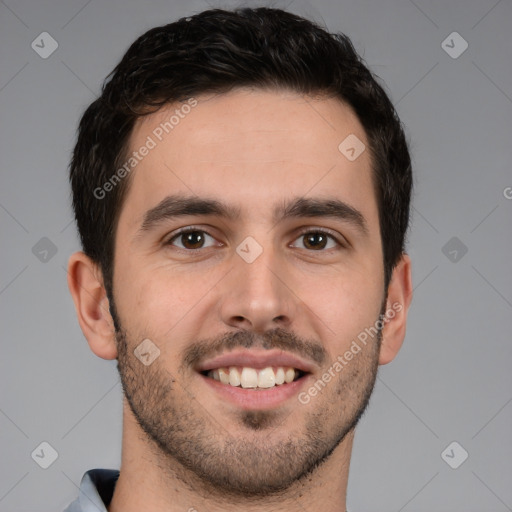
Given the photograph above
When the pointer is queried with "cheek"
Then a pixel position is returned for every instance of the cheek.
(345, 306)
(161, 300)
(144, 300)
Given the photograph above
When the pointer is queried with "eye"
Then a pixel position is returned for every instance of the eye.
(191, 239)
(317, 240)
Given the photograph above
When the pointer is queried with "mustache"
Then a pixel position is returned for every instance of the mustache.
(275, 338)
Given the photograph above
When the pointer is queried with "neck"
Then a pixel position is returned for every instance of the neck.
(151, 480)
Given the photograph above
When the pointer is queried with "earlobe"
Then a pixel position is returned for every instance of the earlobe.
(91, 304)
(398, 302)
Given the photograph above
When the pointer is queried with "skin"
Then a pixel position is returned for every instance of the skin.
(183, 446)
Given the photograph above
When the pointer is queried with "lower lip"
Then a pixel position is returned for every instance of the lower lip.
(257, 399)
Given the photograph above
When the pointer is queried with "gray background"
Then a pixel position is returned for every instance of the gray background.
(451, 380)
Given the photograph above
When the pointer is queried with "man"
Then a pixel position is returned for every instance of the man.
(241, 190)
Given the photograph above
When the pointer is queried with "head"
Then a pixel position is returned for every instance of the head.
(261, 100)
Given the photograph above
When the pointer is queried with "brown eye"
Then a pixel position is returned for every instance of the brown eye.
(192, 239)
(316, 241)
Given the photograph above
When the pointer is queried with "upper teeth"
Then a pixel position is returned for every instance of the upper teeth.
(252, 378)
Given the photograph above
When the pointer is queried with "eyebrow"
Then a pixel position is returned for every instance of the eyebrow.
(175, 206)
(321, 207)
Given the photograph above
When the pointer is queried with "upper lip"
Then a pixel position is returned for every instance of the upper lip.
(255, 359)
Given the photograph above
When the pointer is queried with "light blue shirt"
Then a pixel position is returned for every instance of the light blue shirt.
(96, 490)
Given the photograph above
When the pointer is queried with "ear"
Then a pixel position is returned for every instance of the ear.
(397, 305)
(85, 283)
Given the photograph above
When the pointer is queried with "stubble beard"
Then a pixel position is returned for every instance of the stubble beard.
(258, 458)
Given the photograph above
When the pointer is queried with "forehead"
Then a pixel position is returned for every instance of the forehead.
(248, 147)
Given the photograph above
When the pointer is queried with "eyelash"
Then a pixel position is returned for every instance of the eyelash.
(305, 231)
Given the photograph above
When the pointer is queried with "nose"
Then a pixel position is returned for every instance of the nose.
(256, 296)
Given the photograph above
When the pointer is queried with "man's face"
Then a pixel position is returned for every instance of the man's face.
(286, 277)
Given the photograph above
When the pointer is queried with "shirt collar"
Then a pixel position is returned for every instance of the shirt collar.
(96, 489)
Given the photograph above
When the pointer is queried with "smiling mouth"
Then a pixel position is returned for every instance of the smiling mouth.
(252, 378)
